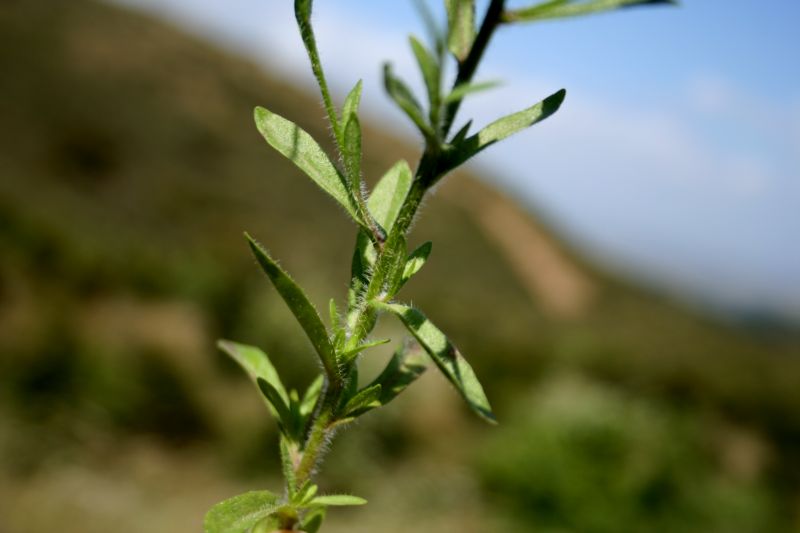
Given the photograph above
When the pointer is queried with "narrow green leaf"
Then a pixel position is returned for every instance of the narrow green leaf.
(465, 89)
(301, 307)
(573, 8)
(366, 400)
(300, 148)
(351, 152)
(302, 10)
(257, 365)
(502, 128)
(461, 134)
(431, 75)
(446, 356)
(389, 194)
(305, 494)
(288, 449)
(338, 500)
(352, 101)
(416, 261)
(405, 100)
(461, 27)
(311, 395)
(406, 365)
(297, 419)
(240, 513)
(349, 355)
(284, 414)
(333, 315)
(312, 521)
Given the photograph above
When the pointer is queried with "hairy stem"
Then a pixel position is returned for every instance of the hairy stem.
(427, 174)
(315, 442)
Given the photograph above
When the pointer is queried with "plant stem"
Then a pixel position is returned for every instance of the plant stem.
(426, 175)
(315, 442)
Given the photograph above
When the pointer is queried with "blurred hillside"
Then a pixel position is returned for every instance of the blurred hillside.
(129, 168)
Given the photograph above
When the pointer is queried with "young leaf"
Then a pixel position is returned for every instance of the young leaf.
(338, 500)
(311, 395)
(313, 520)
(416, 261)
(350, 354)
(305, 494)
(240, 513)
(446, 356)
(301, 307)
(406, 365)
(502, 128)
(333, 314)
(389, 194)
(461, 134)
(405, 100)
(300, 148)
(257, 365)
(572, 8)
(431, 74)
(287, 422)
(351, 152)
(288, 449)
(461, 27)
(459, 92)
(352, 101)
(367, 399)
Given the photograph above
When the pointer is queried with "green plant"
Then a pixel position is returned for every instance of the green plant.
(381, 262)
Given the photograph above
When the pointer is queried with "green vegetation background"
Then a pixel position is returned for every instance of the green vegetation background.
(129, 167)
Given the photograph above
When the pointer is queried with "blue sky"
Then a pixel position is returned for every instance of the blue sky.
(676, 157)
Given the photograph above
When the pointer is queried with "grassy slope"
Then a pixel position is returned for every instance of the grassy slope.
(129, 168)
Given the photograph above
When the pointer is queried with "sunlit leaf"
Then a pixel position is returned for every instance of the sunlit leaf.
(461, 27)
(351, 150)
(389, 194)
(352, 101)
(338, 500)
(301, 307)
(502, 128)
(240, 513)
(573, 8)
(446, 356)
(300, 148)
(257, 365)
(305, 494)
